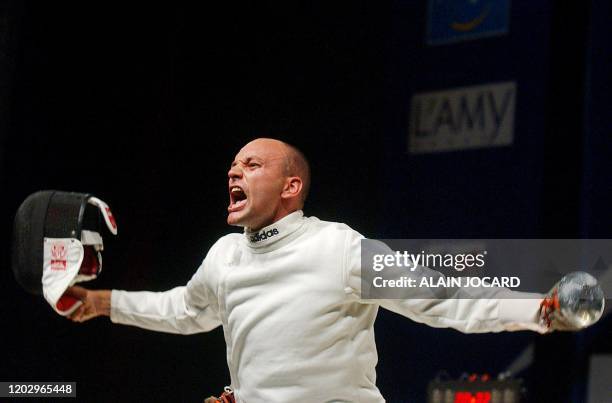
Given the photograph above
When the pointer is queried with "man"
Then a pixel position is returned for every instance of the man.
(287, 293)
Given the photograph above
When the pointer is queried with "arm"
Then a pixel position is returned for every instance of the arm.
(469, 310)
(183, 310)
(170, 311)
(506, 311)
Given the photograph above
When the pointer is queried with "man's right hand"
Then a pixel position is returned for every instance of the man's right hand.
(95, 303)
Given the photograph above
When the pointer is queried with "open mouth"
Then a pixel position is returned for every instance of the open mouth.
(238, 198)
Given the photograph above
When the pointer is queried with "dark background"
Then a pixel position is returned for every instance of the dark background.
(145, 105)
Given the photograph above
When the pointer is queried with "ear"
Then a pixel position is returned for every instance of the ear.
(292, 188)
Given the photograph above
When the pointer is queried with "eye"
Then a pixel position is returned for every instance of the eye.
(254, 165)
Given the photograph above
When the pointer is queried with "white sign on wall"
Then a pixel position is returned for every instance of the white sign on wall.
(462, 118)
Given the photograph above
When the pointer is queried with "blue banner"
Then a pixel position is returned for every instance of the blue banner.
(453, 20)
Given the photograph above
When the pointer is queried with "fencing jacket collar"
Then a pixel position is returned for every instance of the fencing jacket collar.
(275, 234)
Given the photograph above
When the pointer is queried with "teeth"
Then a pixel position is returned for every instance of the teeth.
(236, 189)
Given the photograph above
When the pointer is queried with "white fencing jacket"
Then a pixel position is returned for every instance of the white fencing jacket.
(296, 329)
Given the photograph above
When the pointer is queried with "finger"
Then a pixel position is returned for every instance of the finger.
(74, 314)
(78, 313)
(88, 316)
(77, 292)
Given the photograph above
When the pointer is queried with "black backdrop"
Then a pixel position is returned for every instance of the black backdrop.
(146, 105)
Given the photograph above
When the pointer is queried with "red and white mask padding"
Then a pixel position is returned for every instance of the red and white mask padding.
(68, 261)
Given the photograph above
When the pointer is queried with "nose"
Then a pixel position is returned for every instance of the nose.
(235, 172)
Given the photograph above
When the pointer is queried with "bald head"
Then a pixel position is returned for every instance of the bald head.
(295, 162)
(267, 180)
